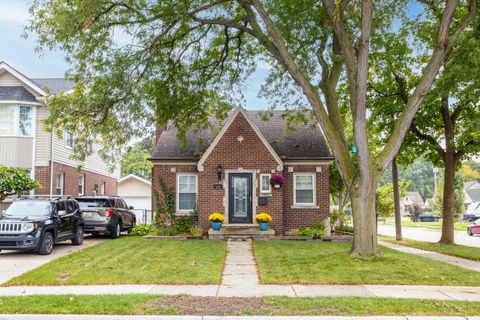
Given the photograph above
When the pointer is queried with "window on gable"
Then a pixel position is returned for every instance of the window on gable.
(187, 192)
(265, 186)
(304, 189)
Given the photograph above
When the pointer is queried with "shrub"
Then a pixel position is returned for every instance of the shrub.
(263, 217)
(183, 224)
(165, 231)
(344, 229)
(216, 217)
(196, 231)
(142, 230)
(317, 230)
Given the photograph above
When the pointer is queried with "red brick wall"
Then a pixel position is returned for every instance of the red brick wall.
(71, 179)
(249, 155)
(295, 218)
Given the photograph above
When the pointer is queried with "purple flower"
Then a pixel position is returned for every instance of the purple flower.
(276, 179)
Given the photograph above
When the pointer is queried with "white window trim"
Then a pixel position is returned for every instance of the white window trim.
(66, 140)
(269, 191)
(16, 120)
(62, 182)
(314, 203)
(83, 184)
(177, 193)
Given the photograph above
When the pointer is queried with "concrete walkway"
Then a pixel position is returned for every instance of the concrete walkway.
(113, 317)
(294, 290)
(14, 263)
(459, 262)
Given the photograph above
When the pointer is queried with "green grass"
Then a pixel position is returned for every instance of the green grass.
(471, 253)
(459, 225)
(134, 260)
(142, 305)
(281, 262)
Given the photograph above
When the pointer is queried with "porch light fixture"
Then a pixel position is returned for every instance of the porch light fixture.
(219, 173)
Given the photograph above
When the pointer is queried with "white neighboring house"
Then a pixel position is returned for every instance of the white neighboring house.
(410, 200)
(137, 192)
(26, 144)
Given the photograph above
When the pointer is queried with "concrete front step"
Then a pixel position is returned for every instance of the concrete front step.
(240, 232)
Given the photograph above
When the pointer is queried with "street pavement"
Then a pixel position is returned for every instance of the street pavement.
(429, 235)
(14, 263)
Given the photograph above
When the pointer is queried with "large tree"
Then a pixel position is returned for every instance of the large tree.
(185, 60)
(15, 180)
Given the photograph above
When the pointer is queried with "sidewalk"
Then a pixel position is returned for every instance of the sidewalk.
(113, 317)
(459, 262)
(240, 279)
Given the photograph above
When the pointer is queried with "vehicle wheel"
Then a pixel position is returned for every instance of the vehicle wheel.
(116, 231)
(470, 233)
(79, 236)
(46, 244)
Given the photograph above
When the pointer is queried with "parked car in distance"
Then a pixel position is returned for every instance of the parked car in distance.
(474, 228)
(38, 222)
(106, 215)
(427, 217)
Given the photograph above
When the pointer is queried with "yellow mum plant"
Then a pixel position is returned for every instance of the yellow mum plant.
(216, 217)
(263, 217)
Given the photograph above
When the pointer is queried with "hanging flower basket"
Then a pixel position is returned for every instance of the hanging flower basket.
(277, 181)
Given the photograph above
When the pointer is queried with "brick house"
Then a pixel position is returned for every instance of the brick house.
(26, 144)
(227, 169)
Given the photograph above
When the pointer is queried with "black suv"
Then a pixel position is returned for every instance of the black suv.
(37, 223)
(106, 215)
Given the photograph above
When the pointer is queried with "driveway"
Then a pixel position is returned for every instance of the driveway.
(14, 263)
(429, 235)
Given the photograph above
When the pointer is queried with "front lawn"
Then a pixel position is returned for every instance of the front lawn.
(181, 305)
(407, 223)
(471, 253)
(134, 260)
(281, 262)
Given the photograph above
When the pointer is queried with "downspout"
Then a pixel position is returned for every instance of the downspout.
(51, 161)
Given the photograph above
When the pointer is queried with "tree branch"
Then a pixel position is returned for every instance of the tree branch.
(429, 139)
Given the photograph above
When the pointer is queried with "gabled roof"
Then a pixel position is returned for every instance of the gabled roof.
(233, 116)
(39, 85)
(414, 197)
(133, 176)
(27, 81)
(473, 194)
(304, 142)
(471, 184)
(16, 93)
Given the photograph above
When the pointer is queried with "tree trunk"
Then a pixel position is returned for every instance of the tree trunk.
(448, 209)
(396, 200)
(364, 221)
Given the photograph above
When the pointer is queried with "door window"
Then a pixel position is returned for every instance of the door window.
(70, 207)
(60, 206)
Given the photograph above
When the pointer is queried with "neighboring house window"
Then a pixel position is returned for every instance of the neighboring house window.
(265, 186)
(304, 189)
(81, 184)
(7, 120)
(59, 184)
(25, 121)
(89, 147)
(102, 188)
(69, 140)
(186, 192)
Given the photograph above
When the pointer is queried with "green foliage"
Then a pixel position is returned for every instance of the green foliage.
(183, 224)
(141, 230)
(469, 172)
(164, 204)
(316, 230)
(134, 160)
(196, 231)
(384, 204)
(15, 180)
(165, 231)
(459, 194)
(344, 228)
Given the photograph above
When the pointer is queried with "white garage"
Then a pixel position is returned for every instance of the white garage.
(137, 192)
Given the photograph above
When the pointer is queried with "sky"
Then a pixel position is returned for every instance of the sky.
(20, 53)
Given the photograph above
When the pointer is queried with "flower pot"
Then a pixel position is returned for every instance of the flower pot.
(263, 226)
(277, 186)
(216, 226)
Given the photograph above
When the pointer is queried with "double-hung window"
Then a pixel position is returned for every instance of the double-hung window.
(25, 121)
(69, 139)
(186, 192)
(265, 186)
(59, 183)
(304, 189)
(81, 184)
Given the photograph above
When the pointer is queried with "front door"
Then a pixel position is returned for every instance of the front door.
(240, 198)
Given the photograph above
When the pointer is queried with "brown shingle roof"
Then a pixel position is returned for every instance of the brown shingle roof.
(304, 142)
